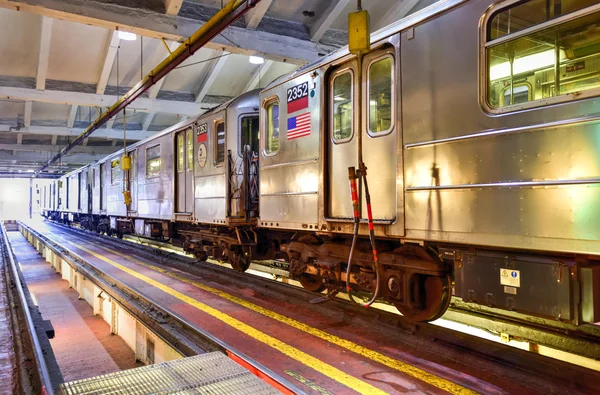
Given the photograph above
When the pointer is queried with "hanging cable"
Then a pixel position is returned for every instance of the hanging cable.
(361, 175)
(141, 57)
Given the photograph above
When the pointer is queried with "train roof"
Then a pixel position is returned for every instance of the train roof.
(381, 34)
(241, 99)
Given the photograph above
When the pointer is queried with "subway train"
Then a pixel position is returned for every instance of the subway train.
(473, 124)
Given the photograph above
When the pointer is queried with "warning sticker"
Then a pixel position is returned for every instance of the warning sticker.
(510, 277)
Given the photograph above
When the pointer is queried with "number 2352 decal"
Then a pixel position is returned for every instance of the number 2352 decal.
(297, 97)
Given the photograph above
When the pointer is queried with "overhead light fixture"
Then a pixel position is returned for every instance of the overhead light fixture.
(127, 36)
(256, 60)
(30, 171)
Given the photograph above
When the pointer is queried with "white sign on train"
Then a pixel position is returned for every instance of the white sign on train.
(510, 277)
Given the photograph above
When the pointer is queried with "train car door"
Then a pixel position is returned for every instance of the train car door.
(184, 177)
(378, 130)
(133, 181)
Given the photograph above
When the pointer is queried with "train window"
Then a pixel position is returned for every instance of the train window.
(520, 94)
(249, 134)
(381, 96)
(272, 127)
(522, 15)
(220, 142)
(180, 153)
(529, 65)
(153, 161)
(93, 178)
(133, 156)
(341, 107)
(189, 136)
(115, 171)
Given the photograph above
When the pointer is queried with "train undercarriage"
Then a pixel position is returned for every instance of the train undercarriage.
(419, 280)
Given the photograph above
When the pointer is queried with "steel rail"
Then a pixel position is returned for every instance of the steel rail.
(199, 336)
(214, 26)
(581, 341)
(498, 353)
(40, 362)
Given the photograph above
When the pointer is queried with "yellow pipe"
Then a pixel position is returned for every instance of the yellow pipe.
(219, 17)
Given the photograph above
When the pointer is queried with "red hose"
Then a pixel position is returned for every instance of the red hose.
(352, 176)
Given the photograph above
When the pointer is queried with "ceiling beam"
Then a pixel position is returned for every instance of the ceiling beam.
(27, 113)
(210, 73)
(326, 19)
(255, 15)
(80, 149)
(148, 120)
(73, 132)
(108, 125)
(109, 59)
(24, 156)
(396, 12)
(258, 75)
(89, 99)
(172, 7)
(110, 15)
(44, 53)
(155, 89)
(72, 115)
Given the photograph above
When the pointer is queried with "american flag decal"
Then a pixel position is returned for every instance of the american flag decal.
(298, 126)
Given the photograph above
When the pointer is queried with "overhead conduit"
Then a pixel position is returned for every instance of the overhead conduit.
(222, 19)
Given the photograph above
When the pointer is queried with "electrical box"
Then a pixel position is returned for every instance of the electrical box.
(126, 162)
(359, 37)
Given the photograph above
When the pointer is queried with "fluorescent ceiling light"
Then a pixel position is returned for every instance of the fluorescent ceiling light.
(127, 36)
(256, 60)
(522, 65)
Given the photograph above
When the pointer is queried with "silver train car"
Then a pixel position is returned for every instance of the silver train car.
(479, 135)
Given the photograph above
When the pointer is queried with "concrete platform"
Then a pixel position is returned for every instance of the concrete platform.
(83, 344)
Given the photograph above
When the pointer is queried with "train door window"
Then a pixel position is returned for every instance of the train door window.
(189, 136)
(180, 153)
(248, 133)
(153, 161)
(115, 171)
(134, 170)
(67, 194)
(79, 189)
(520, 94)
(342, 116)
(272, 127)
(93, 178)
(546, 46)
(219, 142)
(102, 184)
(381, 96)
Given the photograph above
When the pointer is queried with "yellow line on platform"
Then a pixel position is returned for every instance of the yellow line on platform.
(292, 352)
(400, 366)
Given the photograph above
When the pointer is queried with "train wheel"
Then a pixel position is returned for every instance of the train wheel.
(240, 262)
(312, 283)
(438, 292)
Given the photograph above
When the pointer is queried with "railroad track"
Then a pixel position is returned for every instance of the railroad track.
(509, 326)
(491, 357)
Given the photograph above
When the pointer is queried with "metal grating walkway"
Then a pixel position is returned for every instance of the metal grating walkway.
(212, 373)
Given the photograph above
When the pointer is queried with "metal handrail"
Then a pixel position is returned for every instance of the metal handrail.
(42, 368)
